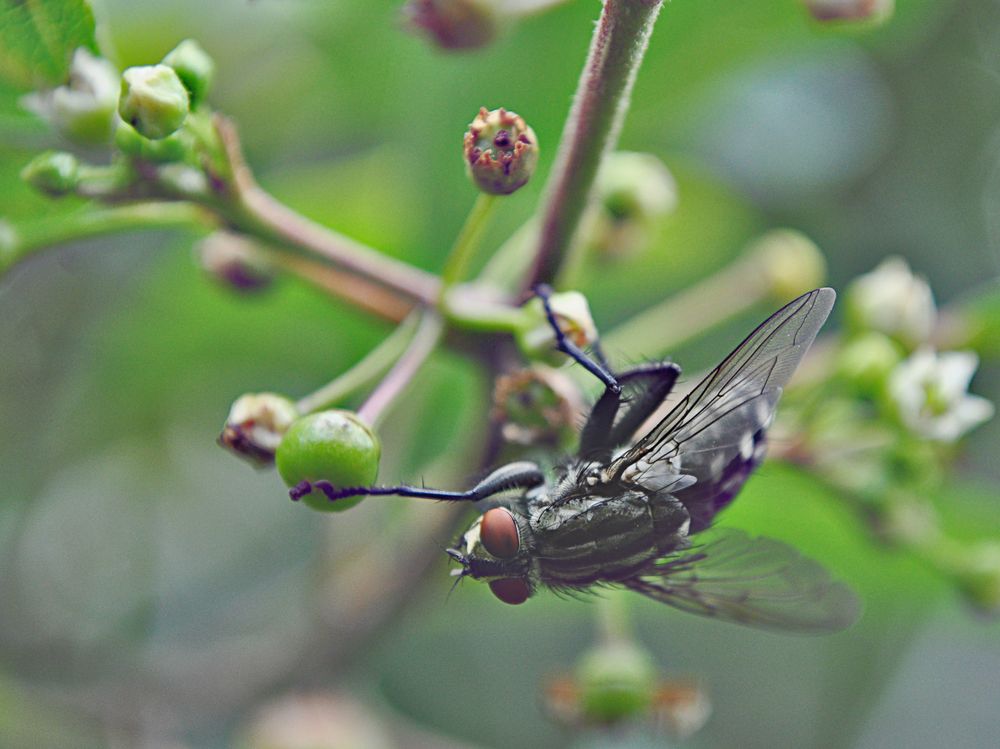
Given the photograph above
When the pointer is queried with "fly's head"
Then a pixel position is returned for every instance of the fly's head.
(494, 550)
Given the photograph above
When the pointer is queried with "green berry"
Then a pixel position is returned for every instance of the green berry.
(335, 446)
(501, 151)
(153, 100)
(55, 173)
(194, 67)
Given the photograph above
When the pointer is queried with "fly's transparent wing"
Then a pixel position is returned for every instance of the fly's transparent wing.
(758, 582)
(717, 432)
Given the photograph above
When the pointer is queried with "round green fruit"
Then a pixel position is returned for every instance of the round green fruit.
(334, 446)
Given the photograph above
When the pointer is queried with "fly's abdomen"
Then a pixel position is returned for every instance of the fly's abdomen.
(601, 539)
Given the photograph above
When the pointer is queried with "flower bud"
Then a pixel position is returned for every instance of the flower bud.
(153, 100)
(501, 151)
(633, 191)
(175, 147)
(789, 262)
(978, 577)
(194, 67)
(334, 446)
(55, 173)
(83, 110)
(617, 681)
(316, 721)
(234, 261)
(256, 424)
(894, 301)
(537, 339)
(454, 24)
(537, 406)
(868, 360)
(851, 10)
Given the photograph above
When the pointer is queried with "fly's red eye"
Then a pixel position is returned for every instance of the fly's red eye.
(498, 532)
(512, 590)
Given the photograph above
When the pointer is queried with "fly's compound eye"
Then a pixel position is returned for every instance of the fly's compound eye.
(498, 534)
(512, 590)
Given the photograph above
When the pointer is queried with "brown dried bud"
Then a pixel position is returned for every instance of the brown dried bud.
(537, 406)
(501, 151)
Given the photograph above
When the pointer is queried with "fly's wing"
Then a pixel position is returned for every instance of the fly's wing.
(758, 582)
(717, 432)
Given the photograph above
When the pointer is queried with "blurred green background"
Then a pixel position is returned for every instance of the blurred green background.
(155, 589)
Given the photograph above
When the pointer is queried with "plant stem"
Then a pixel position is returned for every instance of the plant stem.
(424, 341)
(372, 366)
(18, 243)
(468, 240)
(257, 212)
(592, 129)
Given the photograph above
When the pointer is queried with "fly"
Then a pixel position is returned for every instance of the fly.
(631, 512)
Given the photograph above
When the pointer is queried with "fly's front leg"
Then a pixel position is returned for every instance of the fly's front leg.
(519, 475)
(597, 365)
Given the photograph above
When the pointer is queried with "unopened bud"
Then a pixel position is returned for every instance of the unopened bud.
(868, 360)
(537, 406)
(235, 262)
(194, 67)
(978, 577)
(316, 721)
(256, 424)
(537, 339)
(175, 147)
(892, 300)
(82, 110)
(56, 173)
(454, 24)
(789, 262)
(617, 681)
(633, 191)
(153, 100)
(501, 151)
(851, 10)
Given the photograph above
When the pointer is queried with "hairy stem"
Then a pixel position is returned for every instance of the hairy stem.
(592, 128)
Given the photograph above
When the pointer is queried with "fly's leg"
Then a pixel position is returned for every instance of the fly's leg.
(616, 416)
(519, 475)
(597, 365)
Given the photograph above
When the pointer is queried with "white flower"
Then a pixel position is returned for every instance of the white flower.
(892, 300)
(931, 392)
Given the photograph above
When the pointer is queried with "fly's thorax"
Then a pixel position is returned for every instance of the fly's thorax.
(496, 549)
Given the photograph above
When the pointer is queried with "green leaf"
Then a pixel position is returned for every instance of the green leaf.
(38, 37)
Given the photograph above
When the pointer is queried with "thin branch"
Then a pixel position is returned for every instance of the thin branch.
(17, 243)
(424, 342)
(261, 214)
